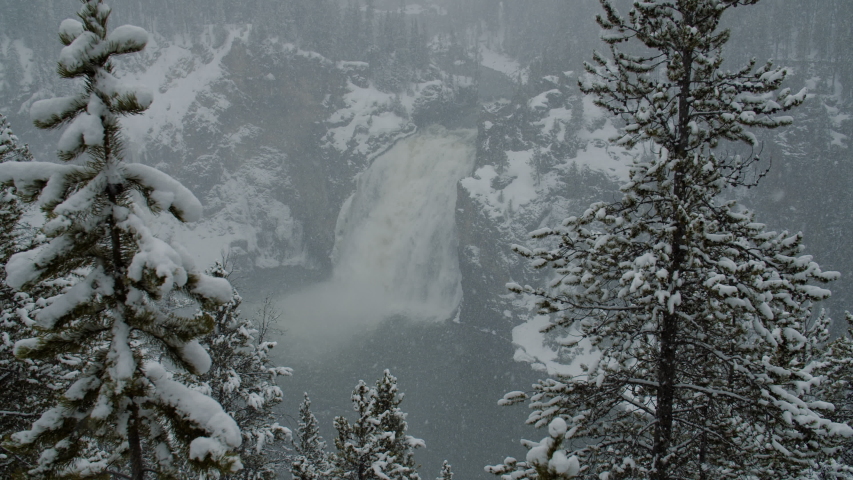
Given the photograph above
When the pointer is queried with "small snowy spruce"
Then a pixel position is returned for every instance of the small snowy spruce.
(375, 446)
(242, 379)
(11, 150)
(125, 395)
(838, 369)
(311, 461)
(697, 324)
(396, 459)
(355, 444)
(28, 385)
(446, 472)
(11, 210)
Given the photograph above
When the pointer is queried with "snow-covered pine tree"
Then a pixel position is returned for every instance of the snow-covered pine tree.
(692, 324)
(396, 448)
(27, 385)
(311, 461)
(356, 442)
(11, 150)
(242, 379)
(11, 211)
(376, 446)
(10, 214)
(115, 316)
(838, 368)
(446, 472)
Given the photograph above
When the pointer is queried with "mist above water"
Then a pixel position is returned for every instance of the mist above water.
(396, 244)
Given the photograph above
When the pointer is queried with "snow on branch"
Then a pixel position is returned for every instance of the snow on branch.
(87, 47)
(96, 283)
(200, 410)
(53, 112)
(32, 177)
(127, 39)
(165, 192)
(154, 256)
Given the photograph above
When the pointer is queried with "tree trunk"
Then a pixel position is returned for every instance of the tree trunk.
(703, 448)
(137, 465)
(665, 397)
(667, 368)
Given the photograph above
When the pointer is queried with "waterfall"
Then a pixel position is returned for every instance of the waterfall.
(398, 231)
(396, 244)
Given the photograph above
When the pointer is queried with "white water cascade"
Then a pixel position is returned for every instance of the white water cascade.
(396, 244)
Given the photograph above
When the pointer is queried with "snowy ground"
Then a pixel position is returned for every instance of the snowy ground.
(502, 63)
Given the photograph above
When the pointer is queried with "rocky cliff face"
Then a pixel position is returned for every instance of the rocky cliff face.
(542, 157)
(237, 119)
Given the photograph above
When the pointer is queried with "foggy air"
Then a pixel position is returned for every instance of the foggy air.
(381, 239)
